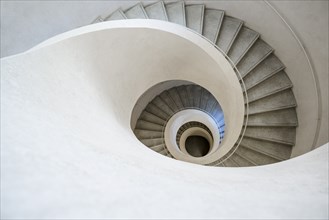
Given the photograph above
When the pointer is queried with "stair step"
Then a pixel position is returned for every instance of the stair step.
(165, 96)
(190, 94)
(241, 161)
(256, 157)
(146, 134)
(182, 92)
(158, 148)
(229, 30)
(265, 69)
(156, 11)
(245, 39)
(117, 15)
(146, 116)
(277, 83)
(175, 97)
(164, 152)
(211, 23)
(284, 117)
(152, 142)
(276, 150)
(230, 163)
(204, 99)
(211, 103)
(162, 105)
(242, 153)
(176, 12)
(258, 52)
(217, 113)
(286, 135)
(153, 109)
(197, 95)
(146, 125)
(277, 101)
(135, 12)
(194, 17)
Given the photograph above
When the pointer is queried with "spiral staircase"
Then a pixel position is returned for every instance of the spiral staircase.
(270, 115)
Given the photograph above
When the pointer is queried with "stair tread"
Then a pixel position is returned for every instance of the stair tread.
(147, 134)
(281, 151)
(146, 125)
(276, 101)
(228, 32)
(176, 12)
(194, 17)
(158, 148)
(152, 108)
(165, 96)
(276, 83)
(156, 11)
(258, 52)
(150, 142)
(135, 12)
(176, 98)
(116, 15)
(245, 39)
(256, 157)
(162, 105)
(275, 157)
(284, 117)
(211, 23)
(240, 161)
(270, 139)
(146, 116)
(265, 69)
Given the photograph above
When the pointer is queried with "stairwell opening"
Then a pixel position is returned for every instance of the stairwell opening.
(197, 146)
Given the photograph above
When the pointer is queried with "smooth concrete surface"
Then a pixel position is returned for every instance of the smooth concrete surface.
(67, 150)
(46, 19)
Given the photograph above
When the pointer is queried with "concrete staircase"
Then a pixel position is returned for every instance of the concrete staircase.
(271, 128)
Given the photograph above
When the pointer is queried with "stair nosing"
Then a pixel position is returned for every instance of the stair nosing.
(236, 163)
(271, 140)
(235, 35)
(271, 93)
(247, 159)
(263, 152)
(273, 109)
(158, 109)
(256, 64)
(273, 125)
(267, 77)
(154, 116)
(248, 48)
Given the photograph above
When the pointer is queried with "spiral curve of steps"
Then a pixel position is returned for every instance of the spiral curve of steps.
(272, 120)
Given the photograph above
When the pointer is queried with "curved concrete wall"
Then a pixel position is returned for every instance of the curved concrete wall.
(67, 150)
(47, 19)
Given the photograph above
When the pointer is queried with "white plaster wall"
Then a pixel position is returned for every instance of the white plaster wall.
(67, 150)
(26, 23)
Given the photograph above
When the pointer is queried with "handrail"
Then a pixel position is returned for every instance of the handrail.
(313, 73)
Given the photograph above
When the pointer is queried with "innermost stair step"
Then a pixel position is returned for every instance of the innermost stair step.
(194, 17)
(176, 12)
